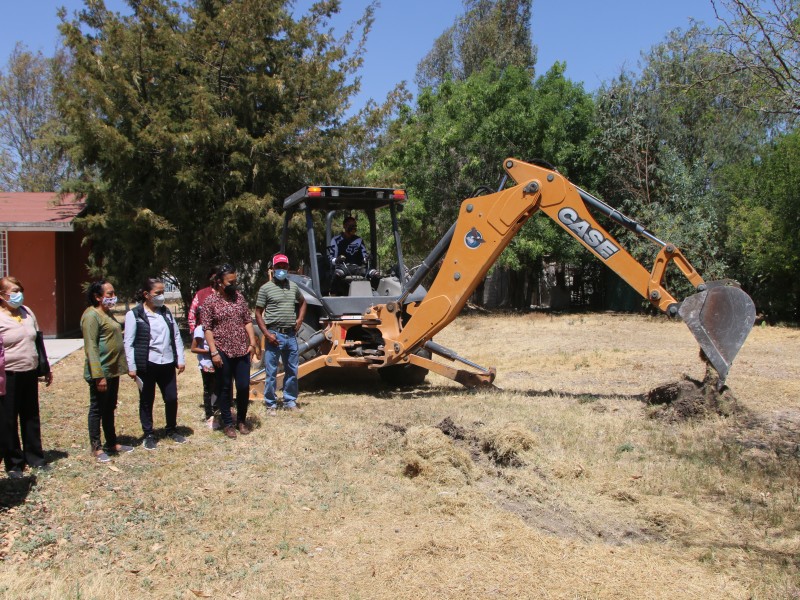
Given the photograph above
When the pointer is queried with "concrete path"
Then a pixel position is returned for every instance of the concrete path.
(61, 348)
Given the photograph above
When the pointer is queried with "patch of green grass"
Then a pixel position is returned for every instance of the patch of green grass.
(626, 447)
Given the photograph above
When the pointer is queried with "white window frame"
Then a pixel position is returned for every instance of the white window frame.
(3, 253)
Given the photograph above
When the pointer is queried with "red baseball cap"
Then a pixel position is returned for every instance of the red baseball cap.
(279, 259)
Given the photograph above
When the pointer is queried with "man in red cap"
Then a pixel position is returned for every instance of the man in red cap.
(279, 322)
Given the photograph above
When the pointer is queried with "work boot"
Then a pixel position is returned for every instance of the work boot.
(229, 431)
(243, 428)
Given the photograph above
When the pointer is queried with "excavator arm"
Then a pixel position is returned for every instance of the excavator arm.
(720, 315)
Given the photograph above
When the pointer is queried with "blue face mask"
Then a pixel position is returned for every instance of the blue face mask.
(15, 300)
(280, 274)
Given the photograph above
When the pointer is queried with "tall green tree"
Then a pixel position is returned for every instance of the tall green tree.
(489, 30)
(764, 192)
(759, 44)
(30, 159)
(457, 136)
(192, 122)
(662, 141)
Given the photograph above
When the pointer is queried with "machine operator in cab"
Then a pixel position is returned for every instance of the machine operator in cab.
(348, 245)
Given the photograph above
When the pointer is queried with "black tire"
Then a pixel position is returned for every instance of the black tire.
(406, 375)
(305, 333)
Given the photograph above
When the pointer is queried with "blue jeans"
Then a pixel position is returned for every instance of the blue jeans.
(286, 350)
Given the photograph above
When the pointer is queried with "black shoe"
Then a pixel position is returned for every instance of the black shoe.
(149, 443)
(15, 474)
(177, 438)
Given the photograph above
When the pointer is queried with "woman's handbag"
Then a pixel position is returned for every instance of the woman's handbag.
(44, 365)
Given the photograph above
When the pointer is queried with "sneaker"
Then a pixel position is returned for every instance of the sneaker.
(150, 443)
(243, 428)
(229, 431)
(15, 474)
(210, 422)
(123, 449)
(177, 438)
(272, 412)
(294, 408)
(102, 457)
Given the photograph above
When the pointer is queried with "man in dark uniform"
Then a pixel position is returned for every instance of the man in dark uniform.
(348, 245)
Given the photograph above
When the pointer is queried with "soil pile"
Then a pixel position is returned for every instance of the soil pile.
(689, 399)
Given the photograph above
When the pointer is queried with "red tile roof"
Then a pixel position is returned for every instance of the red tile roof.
(39, 211)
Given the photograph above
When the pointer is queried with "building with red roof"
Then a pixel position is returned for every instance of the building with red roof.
(41, 247)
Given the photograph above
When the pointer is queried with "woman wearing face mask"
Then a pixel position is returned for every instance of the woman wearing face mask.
(20, 405)
(105, 363)
(228, 328)
(154, 350)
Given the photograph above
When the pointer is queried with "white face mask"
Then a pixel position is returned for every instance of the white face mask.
(110, 302)
(158, 301)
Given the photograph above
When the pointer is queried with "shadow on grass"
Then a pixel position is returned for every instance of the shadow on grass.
(14, 491)
(580, 397)
(332, 382)
(160, 435)
(51, 456)
(367, 382)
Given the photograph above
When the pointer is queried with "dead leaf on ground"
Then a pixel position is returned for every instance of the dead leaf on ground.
(201, 594)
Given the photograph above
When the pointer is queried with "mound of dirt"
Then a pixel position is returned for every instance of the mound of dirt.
(432, 455)
(451, 430)
(505, 445)
(689, 399)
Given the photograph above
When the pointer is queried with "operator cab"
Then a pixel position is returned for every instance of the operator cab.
(339, 288)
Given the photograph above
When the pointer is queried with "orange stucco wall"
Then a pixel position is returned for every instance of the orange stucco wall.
(31, 259)
(52, 268)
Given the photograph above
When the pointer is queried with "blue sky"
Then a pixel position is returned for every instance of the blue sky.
(595, 38)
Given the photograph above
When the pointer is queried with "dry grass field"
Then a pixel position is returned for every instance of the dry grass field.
(565, 484)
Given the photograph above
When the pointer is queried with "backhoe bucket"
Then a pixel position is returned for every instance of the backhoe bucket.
(720, 318)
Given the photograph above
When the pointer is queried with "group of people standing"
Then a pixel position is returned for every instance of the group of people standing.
(223, 337)
(150, 351)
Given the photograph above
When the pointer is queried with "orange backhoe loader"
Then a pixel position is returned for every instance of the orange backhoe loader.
(387, 321)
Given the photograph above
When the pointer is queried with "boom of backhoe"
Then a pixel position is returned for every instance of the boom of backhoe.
(720, 315)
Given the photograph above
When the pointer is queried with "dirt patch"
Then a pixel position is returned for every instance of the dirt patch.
(689, 399)
(453, 431)
(508, 476)
(770, 438)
